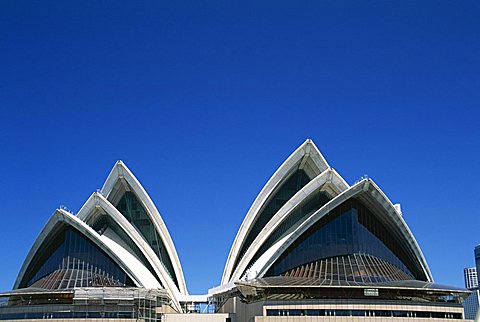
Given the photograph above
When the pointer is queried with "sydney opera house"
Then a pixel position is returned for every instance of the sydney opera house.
(311, 248)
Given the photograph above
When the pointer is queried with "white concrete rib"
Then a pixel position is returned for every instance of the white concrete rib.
(86, 214)
(130, 264)
(120, 171)
(366, 186)
(307, 151)
(328, 176)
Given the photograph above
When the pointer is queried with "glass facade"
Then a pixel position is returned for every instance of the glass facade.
(71, 260)
(106, 222)
(85, 303)
(286, 191)
(477, 258)
(471, 305)
(350, 229)
(135, 213)
(368, 313)
(470, 276)
(68, 315)
(311, 205)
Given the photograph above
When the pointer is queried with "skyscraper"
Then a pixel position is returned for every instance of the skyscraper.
(472, 302)
(477, 257)
(470, 275)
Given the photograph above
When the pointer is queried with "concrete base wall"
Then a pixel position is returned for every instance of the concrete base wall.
(344, 319)
(218, 317)
(257, 312)
(75, 320)
(243, 312)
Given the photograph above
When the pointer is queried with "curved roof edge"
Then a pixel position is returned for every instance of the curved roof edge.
(365, 186)
(120, 170)
(98, 200)
(306, 151)
(132, 267)
(328, 176)
(397, 216)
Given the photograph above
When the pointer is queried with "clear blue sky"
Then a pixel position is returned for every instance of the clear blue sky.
(204, 102)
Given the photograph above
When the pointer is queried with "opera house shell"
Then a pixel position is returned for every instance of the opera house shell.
(313, 246)
(117, 242)
(307, 216)
(310, 245)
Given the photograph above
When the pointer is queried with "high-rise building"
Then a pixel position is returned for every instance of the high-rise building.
(471, 304)
(477, 257)
(470, 275)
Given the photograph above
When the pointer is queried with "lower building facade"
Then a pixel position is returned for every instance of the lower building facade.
(345, 311)
(287, 299)
(85, 303)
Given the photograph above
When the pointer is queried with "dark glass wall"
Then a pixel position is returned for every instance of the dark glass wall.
(350, 229)
(133, 211)
(106, 222)
(286, 191)
(312, 204)
(70, 251)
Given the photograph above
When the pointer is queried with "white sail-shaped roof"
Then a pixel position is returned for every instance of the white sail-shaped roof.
(328, 181)
(98, 206)
(123, 228)
(108, 243)
(121, 180)
(365, 190)
(306, 158)
(288, 224)
(123, 223)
